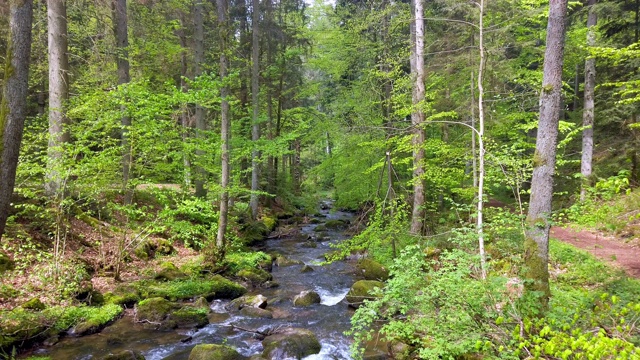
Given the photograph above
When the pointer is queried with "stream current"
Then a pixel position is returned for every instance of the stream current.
(328, 320)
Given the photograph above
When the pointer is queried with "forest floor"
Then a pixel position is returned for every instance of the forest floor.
(611, 249)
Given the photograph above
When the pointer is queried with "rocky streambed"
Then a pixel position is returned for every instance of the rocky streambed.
(296, 311)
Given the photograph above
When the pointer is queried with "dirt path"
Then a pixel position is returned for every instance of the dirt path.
(603, 247)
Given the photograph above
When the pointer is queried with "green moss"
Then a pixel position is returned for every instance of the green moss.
(169, 272)
(269, 222)
(538, 160)
(6, 264)
(536, 273)
(190, 316)
(215, 287)
(125, 295)
(214, 351)
(154, 309)
(34, 304)
(255, 276)
(334, 224)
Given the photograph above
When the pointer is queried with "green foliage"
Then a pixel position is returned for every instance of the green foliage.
(386, 229)
(246, 260)
(191, 221)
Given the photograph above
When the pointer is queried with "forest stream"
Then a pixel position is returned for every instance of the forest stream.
(328, 320)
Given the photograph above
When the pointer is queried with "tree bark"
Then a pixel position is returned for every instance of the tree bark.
(225, 126)
(120, 28)
(417, 120)
(198, 57)
(58, 93)
(480, 223)
(536, 247)
(588, 115)
(255, 104)
(13, 106)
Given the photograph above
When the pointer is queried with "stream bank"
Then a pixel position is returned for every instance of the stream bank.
(295, 270)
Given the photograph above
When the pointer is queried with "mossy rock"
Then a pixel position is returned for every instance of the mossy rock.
(151, 248)
(124, 355)
(290, 343)
(361, 291)
(169, 272)
(253, 233)
(257, 301)
(269, 222)
(34, 304)
(373, 270)
(255, 276)
(214, 287)
(320, 228)
(91, 297)
(315, 221)
(306, 298)
(202, 303)
(124, 295)
(309, 244)
(190, 317)
(6, 264)
(282, 261)
(154, 310)
(255, 312)
(87, 327)
(214, 352)
(335, 224)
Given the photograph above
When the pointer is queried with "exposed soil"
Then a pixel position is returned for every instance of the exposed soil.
(607, 248)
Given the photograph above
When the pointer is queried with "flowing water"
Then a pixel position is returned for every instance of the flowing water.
(328, 320)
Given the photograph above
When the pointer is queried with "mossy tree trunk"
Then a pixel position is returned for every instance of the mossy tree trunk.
(536, 251)
(120, 26)
(13, 107)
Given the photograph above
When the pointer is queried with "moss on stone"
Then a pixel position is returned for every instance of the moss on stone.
(6, 264)
(373, 270)
(169, 272)
(34, 304)
(306, 298)
(291, 343)
(214, 351)
(124, 355)
(190, 316)
(154, 309)
(255, 276)
(361, 291)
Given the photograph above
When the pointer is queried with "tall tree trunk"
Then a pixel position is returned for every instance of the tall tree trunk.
(255, 104)
(480, 223)
(225, 126)
(184, 113)
(13, 106)
(417, 120)
(120, 28)
(201, 125)
(536, 247)
(58, 93)
(588, 114)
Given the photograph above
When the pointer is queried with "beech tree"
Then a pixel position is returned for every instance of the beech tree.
(588, 115)
(58, 92)
(255, 104)
(536, 252)
(417, 119)
(13, 107)
(225, 125)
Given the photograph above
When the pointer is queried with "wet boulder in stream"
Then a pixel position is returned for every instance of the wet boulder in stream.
(124, 355)
(306, 298)
(290, 343)
(362, 290)
(372, 270)
(255, 276)
(214, 351)
(256, 301)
